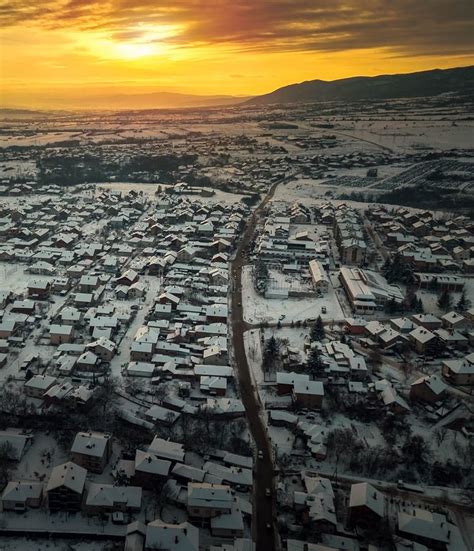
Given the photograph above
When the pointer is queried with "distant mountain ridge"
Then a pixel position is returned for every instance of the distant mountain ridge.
(424, 83)
(123, 101)
(159, 100)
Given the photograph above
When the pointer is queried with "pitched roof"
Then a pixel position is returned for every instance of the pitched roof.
(69, 475)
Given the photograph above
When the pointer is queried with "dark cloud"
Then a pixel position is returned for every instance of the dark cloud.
(432, 27)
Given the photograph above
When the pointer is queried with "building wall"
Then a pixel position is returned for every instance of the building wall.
(423, 393)
(63, 499)
(309, 400)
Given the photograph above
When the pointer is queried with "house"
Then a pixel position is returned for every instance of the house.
(367, 506)
(59, 334)
(149, 469)
(135, 537)
(389, 396)
(402, 325)
(308, 394)
(39, 289)
(103, 348)
(452, 338)
(171, 537)
(168, 298)
(286, 381)
(38, 385)
(353, 251)
(355, 326)
(66, 487)
(15, 442)
(425, 527)
(88, 284)
(92, 450)
(389, 338)
(454, 320)
(21, 495)
(70, 316)
(423, 340)
(24, 307)
(141, 369)
(215, 355)
(158, 414)
(141, 351)
(216, 313)
(229, 525)
(167, 450)
(8, 328)
(136, 290)
(107, 498)
(87, 361)
(428, 321)
(216, 386)
(282, 419)
(319, 277)
(316, 504)
(208, 500)
(460, 371)
(127, 278)
(429, 388)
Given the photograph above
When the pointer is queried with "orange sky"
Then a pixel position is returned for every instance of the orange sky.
(53, 53)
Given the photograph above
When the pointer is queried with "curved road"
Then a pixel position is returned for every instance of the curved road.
(263, 517)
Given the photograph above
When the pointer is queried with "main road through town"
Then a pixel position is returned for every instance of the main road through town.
(264, 506)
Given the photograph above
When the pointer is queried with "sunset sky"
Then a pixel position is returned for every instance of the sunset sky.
(53, 53)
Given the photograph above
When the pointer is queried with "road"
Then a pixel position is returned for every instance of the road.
(264, 507)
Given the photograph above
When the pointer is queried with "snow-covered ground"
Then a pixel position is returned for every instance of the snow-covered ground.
(253, 350)
(218, 196)
(258, 309)
(407, 135)
(15, 278)
(153, 285)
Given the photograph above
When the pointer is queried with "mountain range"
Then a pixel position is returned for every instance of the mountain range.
(425, 83)
(421, 84)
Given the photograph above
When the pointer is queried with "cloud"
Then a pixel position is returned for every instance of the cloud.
(404, 27)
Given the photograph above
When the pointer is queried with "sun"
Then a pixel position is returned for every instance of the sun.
(130, 50)
(147, 41)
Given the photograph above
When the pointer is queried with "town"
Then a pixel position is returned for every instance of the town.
(238, 328)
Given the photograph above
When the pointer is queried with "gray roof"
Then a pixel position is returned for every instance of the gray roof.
(68, 474)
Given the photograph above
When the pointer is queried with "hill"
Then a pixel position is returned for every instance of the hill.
(425, 83)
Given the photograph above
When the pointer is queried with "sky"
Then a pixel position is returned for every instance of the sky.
(57, 53)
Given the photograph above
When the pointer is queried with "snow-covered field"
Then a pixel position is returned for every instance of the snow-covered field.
(150, 189)
(405, 135)
(258, 309)
(15, 278)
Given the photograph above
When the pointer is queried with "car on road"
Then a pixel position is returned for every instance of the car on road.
(260, 454)
(324, 309)
(267, 492)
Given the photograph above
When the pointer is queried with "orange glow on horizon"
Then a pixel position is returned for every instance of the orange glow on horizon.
(55, 54)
